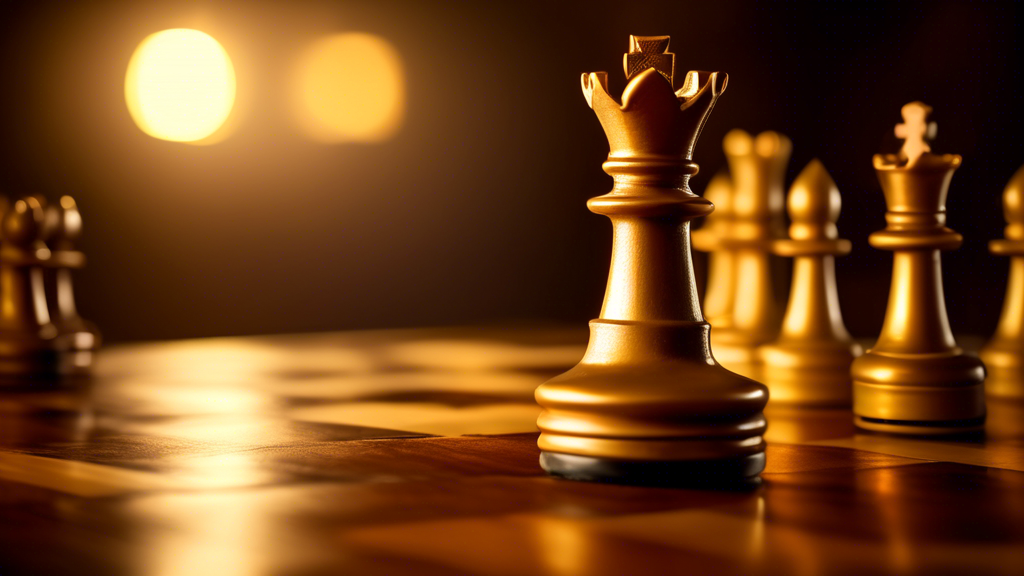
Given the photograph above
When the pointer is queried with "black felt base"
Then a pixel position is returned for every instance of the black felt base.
(725, 474)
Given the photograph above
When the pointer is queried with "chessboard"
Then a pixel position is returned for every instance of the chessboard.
(414, 452)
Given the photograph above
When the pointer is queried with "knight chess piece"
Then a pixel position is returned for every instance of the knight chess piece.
(648, 403)
(758, 165)
(916, 380)
(77, 338)
(809, 364)
(1004, 354)
(27, 337)
(721, 283)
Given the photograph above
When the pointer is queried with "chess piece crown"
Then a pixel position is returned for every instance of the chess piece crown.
(916, 380)
(648, 402)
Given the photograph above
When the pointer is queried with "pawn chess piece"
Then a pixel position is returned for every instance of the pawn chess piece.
(758, 165)
(916, 380)
(721, 284)
(77, 338)
(1004, 354)
(27, 337)
(648, 403)
(809, 365)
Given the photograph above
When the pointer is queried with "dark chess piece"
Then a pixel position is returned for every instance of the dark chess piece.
(77, 338)
(648, 404)
(27, 337)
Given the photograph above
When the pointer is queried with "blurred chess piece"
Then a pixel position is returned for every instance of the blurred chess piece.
(27, 337)
(758, 166)
(77, 338)
(916, 380)
(721, 285)
(809, 365)
(648, 403)
(1004, 354)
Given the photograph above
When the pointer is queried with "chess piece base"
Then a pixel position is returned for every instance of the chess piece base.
(921, 427)
(807, 374)
(736, 473)
(1005, 366)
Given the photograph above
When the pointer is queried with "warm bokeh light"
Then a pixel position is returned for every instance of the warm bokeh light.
(349, 88)
(180, 85)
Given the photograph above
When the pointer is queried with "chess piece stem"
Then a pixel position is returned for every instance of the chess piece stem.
(809, 364)
(648, 403)
(758, 165)
(1004, 354)
(916, 380)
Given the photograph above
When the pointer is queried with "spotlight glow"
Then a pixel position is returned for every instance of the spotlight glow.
(349, 88)
(180, 85)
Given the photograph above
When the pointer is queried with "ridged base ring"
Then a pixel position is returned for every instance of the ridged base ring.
(739, 473)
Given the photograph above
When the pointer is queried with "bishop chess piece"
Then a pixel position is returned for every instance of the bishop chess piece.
(648, 403)
(758, 166)
(809, 364)
(916, 380)
(719, 298)
(77, 338)
(27, 337)
(1004, 354)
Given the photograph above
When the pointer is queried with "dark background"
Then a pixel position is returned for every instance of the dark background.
(475, 211)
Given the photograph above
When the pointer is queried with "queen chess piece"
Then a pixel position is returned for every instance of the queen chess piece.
(916, 380)
(648, 403)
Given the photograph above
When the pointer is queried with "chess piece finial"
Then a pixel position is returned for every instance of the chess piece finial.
(648, 403)
(649, 52)
(809, 364)
(721, 285)
(1004, 354)
(915, 131)
(27, 336)
(758, 166)
(77, 338)
(916, 380)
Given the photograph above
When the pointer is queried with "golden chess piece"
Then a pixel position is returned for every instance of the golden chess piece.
(758, 166)
(1004, 354)
(648, 403)
(27, 337)
(721, 283)
(916, 380)
(809, 364)
(77, 338)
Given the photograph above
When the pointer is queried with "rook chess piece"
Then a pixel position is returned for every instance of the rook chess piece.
(758, 165)
(648, 403)
(721, 284)
(77, 338)
(809, 365)
(1004, 354)
(916, 380)
(27, 338)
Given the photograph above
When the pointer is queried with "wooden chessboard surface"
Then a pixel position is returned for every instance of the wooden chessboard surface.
(414, 452)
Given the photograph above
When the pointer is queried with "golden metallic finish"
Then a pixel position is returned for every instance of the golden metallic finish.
(77, 338)
(721, 286)
(648, 389)
(1004, 354)
(27, 337)
(758, 166)
(809, 364)
(916, 380)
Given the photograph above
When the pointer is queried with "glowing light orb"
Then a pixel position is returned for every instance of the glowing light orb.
(349, 88)
(180, 85)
